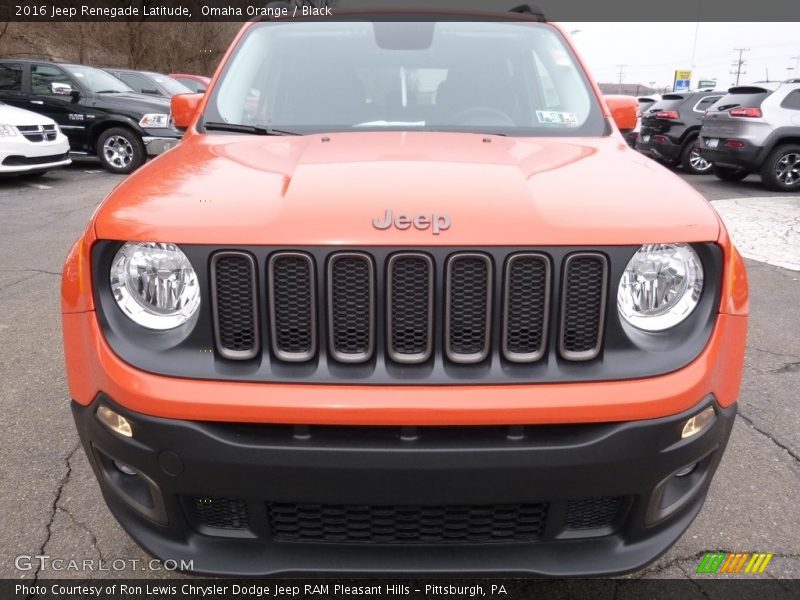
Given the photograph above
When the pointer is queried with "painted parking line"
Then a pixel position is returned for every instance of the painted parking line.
(766, 229)
(93, 171)
(40, 186)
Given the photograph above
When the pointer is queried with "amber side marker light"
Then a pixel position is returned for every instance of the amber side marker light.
(115, 422)
(698, 423)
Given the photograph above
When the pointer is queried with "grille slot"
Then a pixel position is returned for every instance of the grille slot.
(220, 513)
(583, 305)
(235, 305)
(593, 513)
(401, 524)
(468, 303)
(526, 307)
(409, 312)
(292, 306)
(351, 307)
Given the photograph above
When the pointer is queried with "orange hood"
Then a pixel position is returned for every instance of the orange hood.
(326, 190)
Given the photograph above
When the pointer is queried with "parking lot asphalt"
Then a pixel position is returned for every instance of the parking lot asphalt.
(50, 503)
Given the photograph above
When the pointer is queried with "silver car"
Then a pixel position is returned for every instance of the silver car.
(755, 129)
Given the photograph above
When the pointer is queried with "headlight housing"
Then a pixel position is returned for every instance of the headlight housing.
(155, 120)
(155, 285)
(7, 130)
(660, 287)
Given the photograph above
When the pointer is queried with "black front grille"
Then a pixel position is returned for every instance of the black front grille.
(351, 306)
(583, 305)
(38, 133)
(526, 307)
(409, 312)
(292, 290)
(219, 513)
(468, 311)
(594, 513)
(450, 524)
(408, 308)
(235, 304)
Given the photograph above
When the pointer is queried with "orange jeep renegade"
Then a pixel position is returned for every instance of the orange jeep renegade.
(403, 300)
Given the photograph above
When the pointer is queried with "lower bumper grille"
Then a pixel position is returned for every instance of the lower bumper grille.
(24, 161)
(407, 524)
(403, 524)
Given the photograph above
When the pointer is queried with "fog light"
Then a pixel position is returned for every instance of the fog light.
(684, 471)
(114, 422)
(124, 468)
(699, 422)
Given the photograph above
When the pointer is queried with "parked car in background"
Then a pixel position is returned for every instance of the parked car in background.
(670, 128)
(645, 102)
(30, 144)
(99, 114)
(755, 129)
(196, 83)
(152, 84)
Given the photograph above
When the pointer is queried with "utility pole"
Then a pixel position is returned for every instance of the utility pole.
(621, 69)
(738, 64)
(796, 60)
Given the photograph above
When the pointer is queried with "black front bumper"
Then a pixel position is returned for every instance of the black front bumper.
(252, 500)
(747, 158)
(666, 150)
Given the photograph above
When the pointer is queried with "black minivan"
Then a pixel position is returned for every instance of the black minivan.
(99, 114)
(670, 128)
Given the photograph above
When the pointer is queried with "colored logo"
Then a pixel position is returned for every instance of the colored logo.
(739, 562)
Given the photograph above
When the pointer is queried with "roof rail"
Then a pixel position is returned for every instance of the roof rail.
(529, 9)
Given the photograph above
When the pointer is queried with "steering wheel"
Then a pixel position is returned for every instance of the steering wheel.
(495, 116)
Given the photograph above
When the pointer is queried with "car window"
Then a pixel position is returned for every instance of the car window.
(43, 76)
(705, 103)
(172, 86)
(11, 78)
(447, 76)
(742, 96)
(792, 101)
(138, 82)
(192, 84)
(669, 102)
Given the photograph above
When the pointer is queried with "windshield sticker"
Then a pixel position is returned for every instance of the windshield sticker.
(554, 117)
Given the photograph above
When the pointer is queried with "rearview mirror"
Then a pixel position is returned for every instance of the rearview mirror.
(623, 110)
(61, 89)
(184, 109)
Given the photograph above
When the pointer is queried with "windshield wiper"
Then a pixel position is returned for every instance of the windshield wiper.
(252, 129)
(108, 92)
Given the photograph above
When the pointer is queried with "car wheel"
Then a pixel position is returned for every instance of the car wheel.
(728, 174)
(781, 171)
(120, 150)
(693, 162)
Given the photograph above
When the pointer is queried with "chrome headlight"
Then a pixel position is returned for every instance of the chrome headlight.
(660, 287)
(155, 120)
(7, 130)
(155, 285)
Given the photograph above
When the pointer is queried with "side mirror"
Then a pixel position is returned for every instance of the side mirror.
(201, 91)
(623, 110)
(184, 109)
(61, 89)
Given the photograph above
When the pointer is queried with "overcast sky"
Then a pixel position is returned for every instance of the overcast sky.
(653, 51)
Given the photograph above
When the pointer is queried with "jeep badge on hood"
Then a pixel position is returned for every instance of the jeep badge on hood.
(437, 223)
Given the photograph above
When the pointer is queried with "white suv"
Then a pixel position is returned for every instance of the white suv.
(30, 144)
(755, 129)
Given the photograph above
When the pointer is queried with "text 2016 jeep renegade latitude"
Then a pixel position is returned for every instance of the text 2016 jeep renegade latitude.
(403, 300)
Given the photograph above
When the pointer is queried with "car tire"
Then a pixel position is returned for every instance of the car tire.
(728, 174)
(692, 161)
(781, 170)
(121, 150)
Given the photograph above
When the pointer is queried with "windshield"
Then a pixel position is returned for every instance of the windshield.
(492, 77)
(173, 86)
(96, 80)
